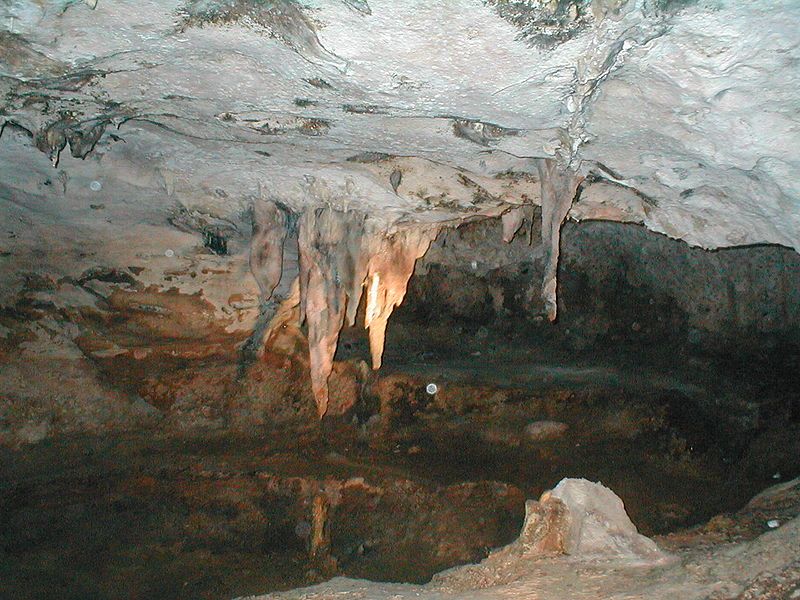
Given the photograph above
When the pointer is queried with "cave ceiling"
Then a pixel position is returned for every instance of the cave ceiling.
(679, 115)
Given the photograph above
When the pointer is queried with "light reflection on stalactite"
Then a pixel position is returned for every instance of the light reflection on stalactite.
(372, 299)
(558, 191)
(340, 252)
(390, 268)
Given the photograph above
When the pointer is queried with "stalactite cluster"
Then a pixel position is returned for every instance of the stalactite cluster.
(341, 253)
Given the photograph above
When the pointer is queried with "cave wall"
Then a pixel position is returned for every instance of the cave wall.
(131, 342)
(618, 283)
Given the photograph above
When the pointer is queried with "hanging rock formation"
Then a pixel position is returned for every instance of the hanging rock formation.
(284, 335)
(340, 252)
(513, 219)
(558, 191)
(330, 276)
(558, 188)
(390, 267)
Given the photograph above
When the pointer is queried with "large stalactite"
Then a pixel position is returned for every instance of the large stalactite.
(559, 187)
(340, 252)
(330, 244)
(390, 267)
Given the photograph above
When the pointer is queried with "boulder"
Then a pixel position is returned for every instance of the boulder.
(586, 521)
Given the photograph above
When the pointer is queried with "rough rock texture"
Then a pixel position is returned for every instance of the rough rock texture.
(596, 526)
(198, 131)
(270, 229)
(323, 102)
(617, 283)
(758, 566)
(340, 254)
(215, 516)
(543, 430)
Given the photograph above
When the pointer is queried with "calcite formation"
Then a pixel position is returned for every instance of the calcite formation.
(513, 220)
(341, 253)
(558, 191)
(330, 250)
(270, 228)
(388, 270)
(376, 123)
(559, 186)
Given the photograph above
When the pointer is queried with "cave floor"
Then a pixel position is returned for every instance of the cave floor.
(213, 514)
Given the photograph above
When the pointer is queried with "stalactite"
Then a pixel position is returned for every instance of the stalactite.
(52, 140)
(336, 249)
(340, 252)
(283, 333)
(512, 221)
(558, 192)
(330, 244)
(514, 218)
(390, 267)
(266, 247)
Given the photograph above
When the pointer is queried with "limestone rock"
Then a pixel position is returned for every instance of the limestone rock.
(596, 526)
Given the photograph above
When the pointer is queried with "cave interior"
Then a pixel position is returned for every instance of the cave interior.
(394, 299)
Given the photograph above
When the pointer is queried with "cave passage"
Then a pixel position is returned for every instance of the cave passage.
(392, 299)
(686, 406)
